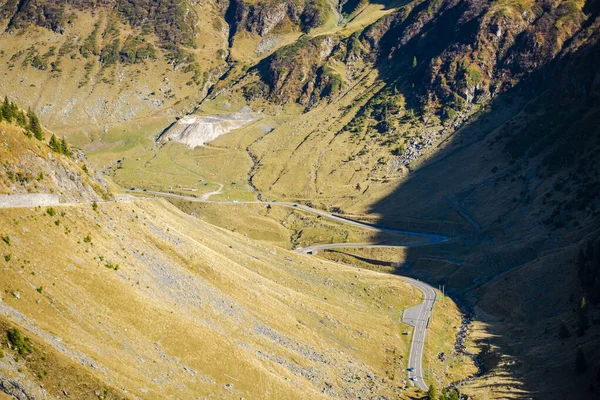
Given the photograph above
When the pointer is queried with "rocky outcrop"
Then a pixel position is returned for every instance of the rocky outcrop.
(31, 167)
(261, 18)
(301, 72)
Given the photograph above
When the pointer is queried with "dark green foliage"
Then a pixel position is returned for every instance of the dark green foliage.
(255, 90)
(6, 239)
(95, 206)
(580, 362)
(112, 266)
(110, 53)
(136, 49)
(90, 45)
(20, 118)
(432, 393)
(7, 111)
(87, 239)
(59, 146)
(582, 318)
(65, 147)
(563, 331)
(176, 56)
(172, 21)
(34, 125)
(55, 144)
(19, 342)
(449, 394)
(198, 78)
(287, 52)
(36, 62)
(315, 14)
(50, 211)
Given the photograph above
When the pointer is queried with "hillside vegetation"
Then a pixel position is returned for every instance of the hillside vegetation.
(36, 161)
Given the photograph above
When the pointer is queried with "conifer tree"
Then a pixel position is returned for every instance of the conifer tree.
(432, 393)
(34, 125)
(55, 144)
(6, 110)
(65, 147)
(580, 362)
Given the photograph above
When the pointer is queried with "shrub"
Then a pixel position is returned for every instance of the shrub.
(50, 211)
(34, 125)
(6, 239)
(112, 266)
(563, 331)
(580, 362)
(19, 342)
(87, 239)
(95, 206)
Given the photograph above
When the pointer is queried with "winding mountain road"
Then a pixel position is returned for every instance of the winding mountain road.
(417, 316)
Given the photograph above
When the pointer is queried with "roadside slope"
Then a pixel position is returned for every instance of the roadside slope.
(159, 290)
(29, 165)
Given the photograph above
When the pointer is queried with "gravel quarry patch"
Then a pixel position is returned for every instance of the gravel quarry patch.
(194, 130)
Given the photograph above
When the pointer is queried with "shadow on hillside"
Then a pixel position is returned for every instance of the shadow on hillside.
(478, 180)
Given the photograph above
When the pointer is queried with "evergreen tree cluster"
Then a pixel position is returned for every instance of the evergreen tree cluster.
(449, 393)
(588, 270)
(10, 112)
(30, 122)
(60, 146)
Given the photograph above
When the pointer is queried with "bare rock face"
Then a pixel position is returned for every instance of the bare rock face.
(263, 17)
(194, 131)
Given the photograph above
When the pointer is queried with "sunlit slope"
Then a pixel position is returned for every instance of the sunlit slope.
(160, 304)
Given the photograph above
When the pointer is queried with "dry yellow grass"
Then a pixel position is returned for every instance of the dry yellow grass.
(81, 103)
(194, 310)
(30, 166)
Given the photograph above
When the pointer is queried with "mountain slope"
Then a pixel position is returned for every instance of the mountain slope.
(31, 166)
(154, 301)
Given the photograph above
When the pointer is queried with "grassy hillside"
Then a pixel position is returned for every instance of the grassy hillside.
(87, 69)
(139, 299)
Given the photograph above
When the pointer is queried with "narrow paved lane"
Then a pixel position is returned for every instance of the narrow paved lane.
(432, 238)
(417, 316)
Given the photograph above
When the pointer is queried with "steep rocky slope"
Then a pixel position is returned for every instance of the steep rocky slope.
(438, 63)
(32, 166)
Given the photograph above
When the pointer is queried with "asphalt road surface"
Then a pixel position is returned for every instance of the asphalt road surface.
(418, 316)
(432, 238)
